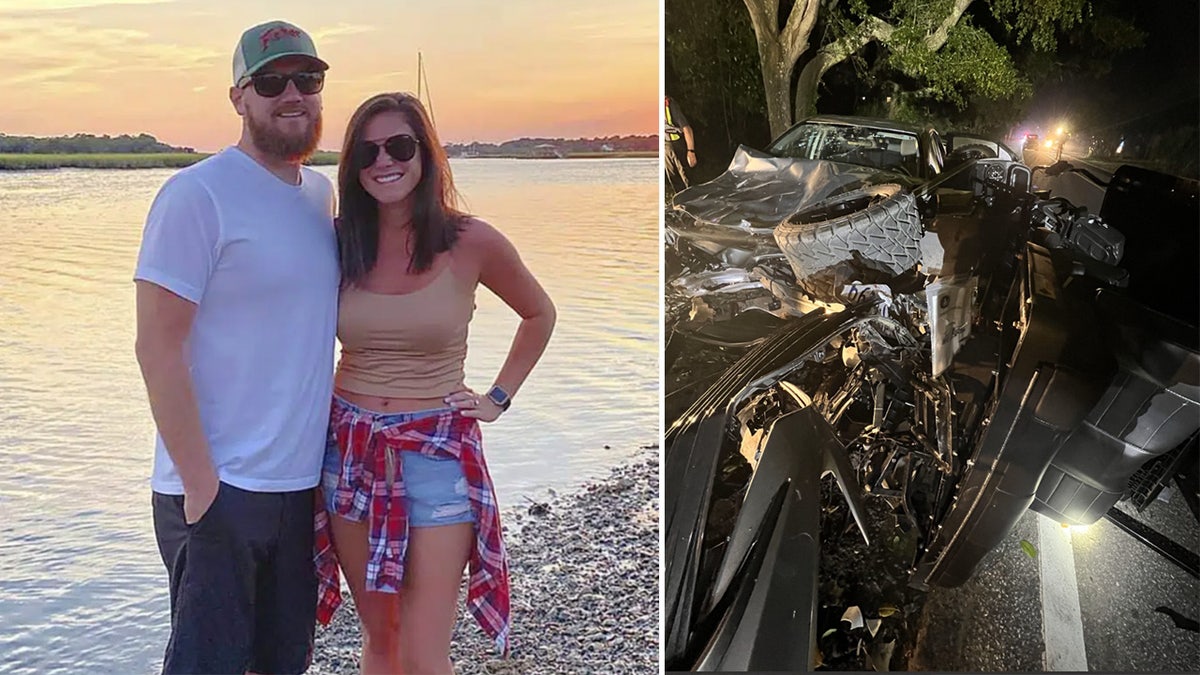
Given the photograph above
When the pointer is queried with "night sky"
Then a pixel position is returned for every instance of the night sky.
(1153, 85)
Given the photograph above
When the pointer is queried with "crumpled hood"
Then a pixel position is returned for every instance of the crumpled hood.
(760, 190)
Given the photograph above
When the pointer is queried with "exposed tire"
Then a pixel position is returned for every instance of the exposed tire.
(872, 245)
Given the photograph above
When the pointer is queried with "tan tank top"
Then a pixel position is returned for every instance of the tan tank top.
(409, 345)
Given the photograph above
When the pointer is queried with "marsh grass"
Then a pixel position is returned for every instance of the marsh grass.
(102, 160)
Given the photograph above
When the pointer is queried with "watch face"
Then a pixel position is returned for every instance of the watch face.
(498, 396)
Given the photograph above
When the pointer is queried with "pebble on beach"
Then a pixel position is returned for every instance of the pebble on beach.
(584, 580)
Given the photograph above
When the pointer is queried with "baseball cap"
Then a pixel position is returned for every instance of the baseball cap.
(267, 42)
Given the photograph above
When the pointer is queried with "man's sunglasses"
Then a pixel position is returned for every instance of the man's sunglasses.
(401, 147)
(270, 85)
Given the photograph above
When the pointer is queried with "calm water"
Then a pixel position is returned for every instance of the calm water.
(81, 586)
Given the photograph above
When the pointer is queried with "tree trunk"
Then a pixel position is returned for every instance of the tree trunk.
(777, 76)
(893, 100)
(806, 88)
(778, 49)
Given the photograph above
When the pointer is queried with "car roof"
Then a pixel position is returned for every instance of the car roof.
(870, 122)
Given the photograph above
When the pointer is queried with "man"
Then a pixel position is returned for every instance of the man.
(237, 284)
(675, 130)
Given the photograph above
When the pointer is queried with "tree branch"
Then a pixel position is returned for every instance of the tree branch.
(762, 16)
(938, 38)
(931, 92)
(872, 28)
(800, 22)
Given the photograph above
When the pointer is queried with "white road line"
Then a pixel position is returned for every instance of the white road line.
(1062, 624)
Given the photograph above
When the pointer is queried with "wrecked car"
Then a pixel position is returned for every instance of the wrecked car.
(859, 323)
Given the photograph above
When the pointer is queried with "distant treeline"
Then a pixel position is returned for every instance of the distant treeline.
(82, 144)
(87, 151)
(563, 147)
(19, 161)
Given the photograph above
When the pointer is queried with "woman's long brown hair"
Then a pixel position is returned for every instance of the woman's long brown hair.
(436, 218)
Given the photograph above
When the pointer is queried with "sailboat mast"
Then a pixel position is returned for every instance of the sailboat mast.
(423, 79)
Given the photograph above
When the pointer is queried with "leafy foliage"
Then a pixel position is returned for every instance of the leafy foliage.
(713, 71)
(969, 64)
(534, 147)
(1038, 21)
(932, 60)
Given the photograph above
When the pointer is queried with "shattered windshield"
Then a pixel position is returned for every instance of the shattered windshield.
(862, 146)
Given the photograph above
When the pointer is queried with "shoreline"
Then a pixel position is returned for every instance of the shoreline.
(127, 161)
(584, 577)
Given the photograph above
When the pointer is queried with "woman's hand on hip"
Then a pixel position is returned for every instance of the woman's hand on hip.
(470, 404)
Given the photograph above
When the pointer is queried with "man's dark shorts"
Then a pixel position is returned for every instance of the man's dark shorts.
(243, 587)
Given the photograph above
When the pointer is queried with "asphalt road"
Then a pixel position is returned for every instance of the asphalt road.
(1090, 600)
(999, 620)
(1075, 188)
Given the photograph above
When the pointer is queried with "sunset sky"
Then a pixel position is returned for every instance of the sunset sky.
(497, 70)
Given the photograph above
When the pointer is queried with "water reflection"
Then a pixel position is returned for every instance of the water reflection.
(81, 586)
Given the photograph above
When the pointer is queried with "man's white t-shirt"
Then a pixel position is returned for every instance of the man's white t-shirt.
(259, 259)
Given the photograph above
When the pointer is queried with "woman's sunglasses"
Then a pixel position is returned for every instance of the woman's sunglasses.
(400, 147)
(270, 85)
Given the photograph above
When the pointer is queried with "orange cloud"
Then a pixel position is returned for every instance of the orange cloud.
(496, 70)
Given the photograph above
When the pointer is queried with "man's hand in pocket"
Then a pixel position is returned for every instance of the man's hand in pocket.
(197, 501)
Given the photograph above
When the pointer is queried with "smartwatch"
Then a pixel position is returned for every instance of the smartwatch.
(500, 397)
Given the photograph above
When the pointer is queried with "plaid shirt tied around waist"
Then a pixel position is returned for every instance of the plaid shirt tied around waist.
(371, 486)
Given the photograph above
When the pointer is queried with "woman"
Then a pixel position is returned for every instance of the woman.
(408, 496)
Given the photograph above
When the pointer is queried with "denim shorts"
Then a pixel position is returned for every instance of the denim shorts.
(436, 489)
